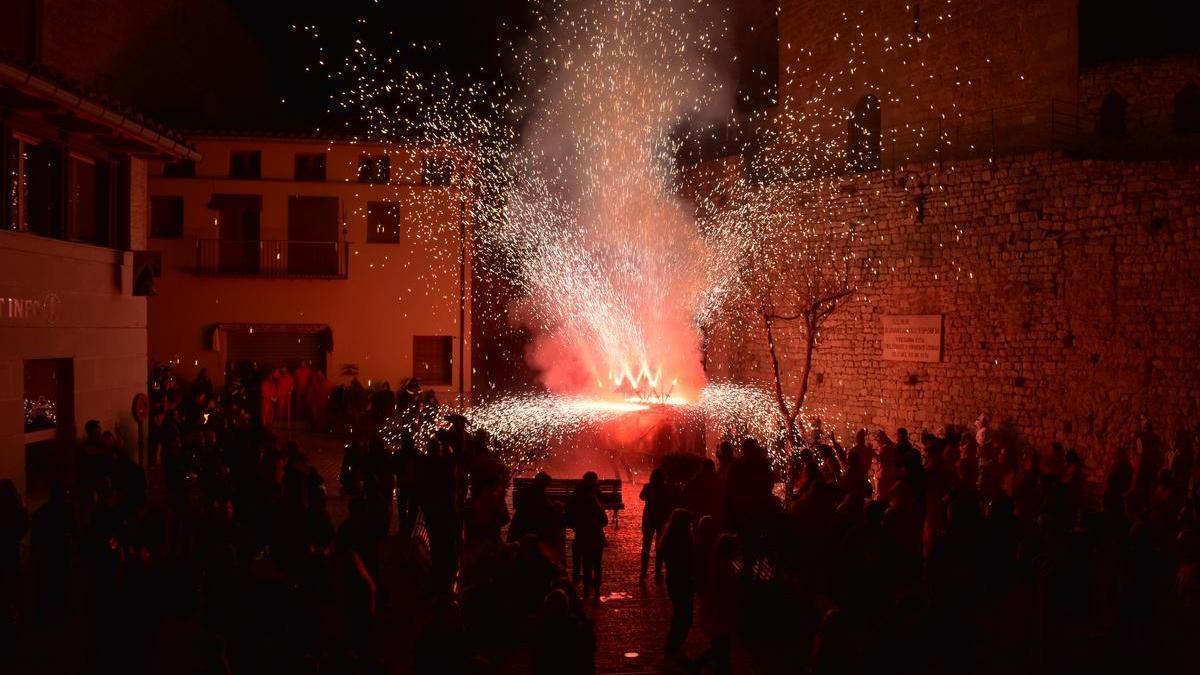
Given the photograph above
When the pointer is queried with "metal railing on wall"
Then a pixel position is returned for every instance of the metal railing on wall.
(1014, 129)
(279, 258)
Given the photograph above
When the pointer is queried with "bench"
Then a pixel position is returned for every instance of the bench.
(559, 490)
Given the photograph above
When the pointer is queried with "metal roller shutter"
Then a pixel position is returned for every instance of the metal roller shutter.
(273, 348)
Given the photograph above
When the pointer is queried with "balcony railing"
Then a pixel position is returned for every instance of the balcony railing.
(273, 258)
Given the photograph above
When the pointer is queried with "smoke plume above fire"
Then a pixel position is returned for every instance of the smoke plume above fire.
(613, 269)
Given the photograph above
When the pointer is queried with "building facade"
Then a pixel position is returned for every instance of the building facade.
(352, 257)
(72, 268)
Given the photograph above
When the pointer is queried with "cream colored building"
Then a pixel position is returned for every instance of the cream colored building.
(351, 256)
(72, 317)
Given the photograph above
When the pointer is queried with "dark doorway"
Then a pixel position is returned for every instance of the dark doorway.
(312, 248)
(863, 133)
(49, 424)
(1112, 115)
(1187, 109)
(238, 227)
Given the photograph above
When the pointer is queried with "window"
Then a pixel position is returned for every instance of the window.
(1187, 109)
(166, 217)
(16, 182)
(437, 171)
(87, 195)
(1112, 115)
(184, 168)
(238, 249)
(245, 164)
(374, 169)
(862, 146)
(48, 393)
(383, 223)
(432, 362)
(42, 185)
(56, 193)
(310, 166)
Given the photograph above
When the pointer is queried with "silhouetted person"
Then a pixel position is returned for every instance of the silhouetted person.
(405, 463)
(1119, 481)
(887, 457)
(14, 522)
(702, 494)
(486, 515)
(858, 464)
(719, 603)
(586, 516)
(677, 549)
(438, 486)
(383, 403)
(1148, 462)
(725, 459)
(355, 589)
(865, 567)
(748, 487)
(661, 498)
(563, 643)
(834, 650)
(202, 384)
(51, 537)
(93, 463)
(440, 648)
(940, 479)
(537, 514)
(129, 480)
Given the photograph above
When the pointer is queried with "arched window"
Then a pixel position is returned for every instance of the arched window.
(1187, 109)
(862, 146)
(1112, 115)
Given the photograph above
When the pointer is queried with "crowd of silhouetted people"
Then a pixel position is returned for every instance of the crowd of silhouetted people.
(955, 552)
(968, 552)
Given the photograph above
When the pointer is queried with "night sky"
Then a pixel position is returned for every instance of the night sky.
(462, 36)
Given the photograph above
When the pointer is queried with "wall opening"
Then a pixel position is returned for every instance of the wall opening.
(1112, 115)
(863, 134)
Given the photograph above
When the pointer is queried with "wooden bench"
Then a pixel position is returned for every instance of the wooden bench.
(559, 490)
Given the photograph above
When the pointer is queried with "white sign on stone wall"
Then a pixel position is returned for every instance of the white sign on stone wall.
(912, 337)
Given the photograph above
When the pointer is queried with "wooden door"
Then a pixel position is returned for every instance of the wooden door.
(313, 224)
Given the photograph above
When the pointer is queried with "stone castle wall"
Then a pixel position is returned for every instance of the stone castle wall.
(1070, 292)
(924, 60)
(1149, 87)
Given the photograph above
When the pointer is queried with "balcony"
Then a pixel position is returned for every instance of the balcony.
(281, 259)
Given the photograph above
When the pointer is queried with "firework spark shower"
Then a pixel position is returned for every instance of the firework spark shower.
(577, 208)
(614, 270)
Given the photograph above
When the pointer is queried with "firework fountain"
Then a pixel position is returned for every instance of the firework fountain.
(577, 209)
(615, 274)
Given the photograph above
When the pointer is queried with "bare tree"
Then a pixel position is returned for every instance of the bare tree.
(803, 264)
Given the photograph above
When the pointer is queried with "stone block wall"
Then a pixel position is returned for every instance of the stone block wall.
(923, 60)
(1149, 87)
(1070, 292)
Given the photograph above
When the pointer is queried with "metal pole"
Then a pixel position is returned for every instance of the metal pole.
(993, 115)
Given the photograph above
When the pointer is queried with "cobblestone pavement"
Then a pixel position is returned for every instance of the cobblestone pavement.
(632, 616)
(325, 455)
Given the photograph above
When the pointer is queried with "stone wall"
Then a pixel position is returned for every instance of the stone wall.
(1069, 292)
(924, 60)
(1149, 87)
